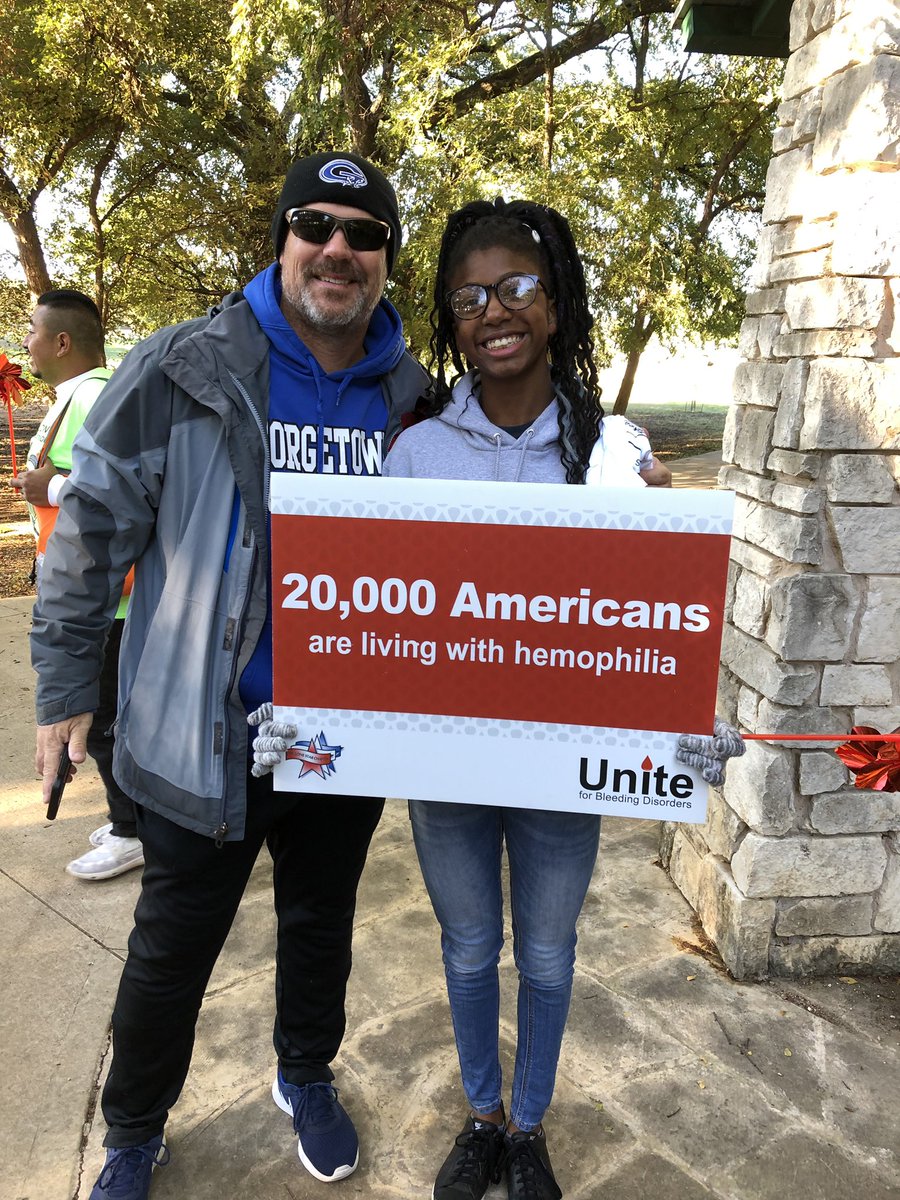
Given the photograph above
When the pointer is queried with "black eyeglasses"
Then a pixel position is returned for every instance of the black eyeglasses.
(514, 291)
(310, 225)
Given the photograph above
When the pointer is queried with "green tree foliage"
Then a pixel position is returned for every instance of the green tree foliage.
(665, 170)
(56, 98)
(159, 131)
(160, 177)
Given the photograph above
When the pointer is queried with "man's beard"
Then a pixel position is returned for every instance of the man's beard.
(325, 316)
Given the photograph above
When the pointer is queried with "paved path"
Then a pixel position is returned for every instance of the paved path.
(699, 471)
(675, 1083)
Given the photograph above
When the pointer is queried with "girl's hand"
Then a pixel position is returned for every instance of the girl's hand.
(655, 473)
(710, 754)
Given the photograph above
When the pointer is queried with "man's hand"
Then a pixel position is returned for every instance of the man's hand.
(33, 484)
(657, 474)
(654, 473)
(272, 741)
(50, 741)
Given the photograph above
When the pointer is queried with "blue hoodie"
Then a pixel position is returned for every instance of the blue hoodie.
(318, 423)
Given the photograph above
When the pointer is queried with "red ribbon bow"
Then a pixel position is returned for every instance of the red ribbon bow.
(11, 381)
(876, 764)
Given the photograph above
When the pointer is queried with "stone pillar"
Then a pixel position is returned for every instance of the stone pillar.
(796, 871)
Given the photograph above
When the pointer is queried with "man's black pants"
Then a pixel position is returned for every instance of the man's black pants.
(190, 893)
(100, 740)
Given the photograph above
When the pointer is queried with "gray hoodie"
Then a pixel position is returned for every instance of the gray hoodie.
(461, 443)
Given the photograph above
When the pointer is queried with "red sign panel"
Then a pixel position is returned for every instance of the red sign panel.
(599, 627)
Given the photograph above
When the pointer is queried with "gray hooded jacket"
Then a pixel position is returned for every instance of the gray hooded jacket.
(461, 443)
(179, 426)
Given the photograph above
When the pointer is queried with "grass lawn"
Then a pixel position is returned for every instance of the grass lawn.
(677, 430)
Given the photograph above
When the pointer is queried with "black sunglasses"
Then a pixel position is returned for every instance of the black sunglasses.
(310, 225)
(514, 291)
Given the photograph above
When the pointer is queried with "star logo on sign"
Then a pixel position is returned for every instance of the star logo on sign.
(316, 758)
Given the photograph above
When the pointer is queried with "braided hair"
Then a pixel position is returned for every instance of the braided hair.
(544, 235)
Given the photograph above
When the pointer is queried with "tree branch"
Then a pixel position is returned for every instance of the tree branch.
(595, 33)
(726, 159)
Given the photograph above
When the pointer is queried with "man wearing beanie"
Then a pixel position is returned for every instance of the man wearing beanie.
(305, 370)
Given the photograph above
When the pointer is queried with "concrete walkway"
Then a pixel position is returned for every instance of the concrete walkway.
(675, 1083)
(698, 471)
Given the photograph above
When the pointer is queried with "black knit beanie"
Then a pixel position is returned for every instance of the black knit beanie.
(339, 178)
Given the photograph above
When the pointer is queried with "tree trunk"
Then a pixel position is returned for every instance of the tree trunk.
(642, 331)
(549, 82)
(31, 253)
(101, 293)
(18, 212)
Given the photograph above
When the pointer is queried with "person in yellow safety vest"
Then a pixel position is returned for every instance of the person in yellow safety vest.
(66, 347)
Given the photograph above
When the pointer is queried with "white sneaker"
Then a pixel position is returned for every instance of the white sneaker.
(101, 835)
(114, 857)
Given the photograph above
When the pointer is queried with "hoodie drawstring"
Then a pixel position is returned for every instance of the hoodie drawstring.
(342, 387)
(525, 439)
(523, 443)
(316, 372)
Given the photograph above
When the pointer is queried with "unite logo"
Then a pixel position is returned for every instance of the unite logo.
(653, 783)
(315, 756)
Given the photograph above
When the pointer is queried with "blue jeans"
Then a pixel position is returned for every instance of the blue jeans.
(551, 858)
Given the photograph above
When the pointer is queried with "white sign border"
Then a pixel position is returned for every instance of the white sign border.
(667, 510)
(382, 739)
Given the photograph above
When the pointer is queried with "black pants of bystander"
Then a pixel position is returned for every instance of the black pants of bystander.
(100, 739)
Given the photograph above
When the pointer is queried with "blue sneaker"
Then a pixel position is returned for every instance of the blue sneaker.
(127, 1170)
(327, 1143)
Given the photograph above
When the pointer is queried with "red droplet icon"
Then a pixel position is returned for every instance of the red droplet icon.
(647, 764)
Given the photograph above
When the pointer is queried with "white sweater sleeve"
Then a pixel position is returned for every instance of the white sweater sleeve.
(54, 487)
(618, 455)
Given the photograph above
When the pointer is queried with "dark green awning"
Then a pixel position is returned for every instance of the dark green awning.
(753, 27)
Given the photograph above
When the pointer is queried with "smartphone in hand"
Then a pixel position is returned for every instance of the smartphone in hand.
(59, 783)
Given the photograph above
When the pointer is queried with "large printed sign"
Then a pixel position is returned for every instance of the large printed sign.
(514, 644)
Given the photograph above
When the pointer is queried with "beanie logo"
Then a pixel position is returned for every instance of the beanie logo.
(341, 171)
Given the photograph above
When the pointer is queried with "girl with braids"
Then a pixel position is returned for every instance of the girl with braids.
(510, 301)
(511, 321)
(544, 375)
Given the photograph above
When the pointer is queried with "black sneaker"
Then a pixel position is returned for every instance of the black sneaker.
(529, 1175)
(473, 1164)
